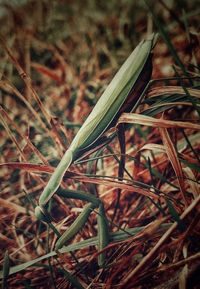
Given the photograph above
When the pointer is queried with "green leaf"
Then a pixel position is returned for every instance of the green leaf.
(6, 270)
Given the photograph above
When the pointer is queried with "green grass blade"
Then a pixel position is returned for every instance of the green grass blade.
(166, 38)
(72, 279)
(6, 269)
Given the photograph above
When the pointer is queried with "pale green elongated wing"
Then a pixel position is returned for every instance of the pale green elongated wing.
(113, 97)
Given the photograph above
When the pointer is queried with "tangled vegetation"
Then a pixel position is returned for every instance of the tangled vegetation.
(57, 58)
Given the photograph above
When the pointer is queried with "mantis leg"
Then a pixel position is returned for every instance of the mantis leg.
(122, 144)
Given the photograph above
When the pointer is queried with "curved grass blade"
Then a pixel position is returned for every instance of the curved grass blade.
(155, 122)
(173, 157)
(72, 279)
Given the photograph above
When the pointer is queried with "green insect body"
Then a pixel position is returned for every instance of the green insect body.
(118, 96)
(103, 113)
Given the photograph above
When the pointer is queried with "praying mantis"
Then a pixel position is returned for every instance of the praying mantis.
(123, 94)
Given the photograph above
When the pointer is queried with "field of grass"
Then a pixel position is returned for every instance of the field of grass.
(56, 60)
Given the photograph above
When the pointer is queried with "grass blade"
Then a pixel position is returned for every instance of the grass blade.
(173, 157)
(6, 269)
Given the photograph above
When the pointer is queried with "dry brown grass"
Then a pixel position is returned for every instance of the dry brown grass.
(69, 67)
